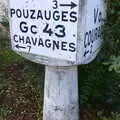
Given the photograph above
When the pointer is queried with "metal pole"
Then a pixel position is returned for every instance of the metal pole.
(61, 93)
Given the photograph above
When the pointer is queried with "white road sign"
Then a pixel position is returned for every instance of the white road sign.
(45, 27)
(57, 32)
(95, 13)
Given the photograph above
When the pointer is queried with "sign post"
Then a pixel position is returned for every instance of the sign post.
(61, 35)
(61, 94)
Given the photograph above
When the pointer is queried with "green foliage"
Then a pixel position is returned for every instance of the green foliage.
(4, 40)
(99, 84)
(36, 72)
(99, 88)
(4, 112)
(7, 57)
(111, 35)
(36, 79)
(114, 116)
(115, 64)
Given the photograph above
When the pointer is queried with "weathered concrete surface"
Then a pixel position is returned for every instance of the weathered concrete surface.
(3, 9)
(61, 94)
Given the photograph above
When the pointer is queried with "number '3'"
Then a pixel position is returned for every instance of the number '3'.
(55, 6)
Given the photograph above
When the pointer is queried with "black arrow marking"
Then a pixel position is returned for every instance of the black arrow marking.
(72, 5)
(18, 46)
(86, 52)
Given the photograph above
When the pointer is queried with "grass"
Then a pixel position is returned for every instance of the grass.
(23, 73)
(8, 57)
